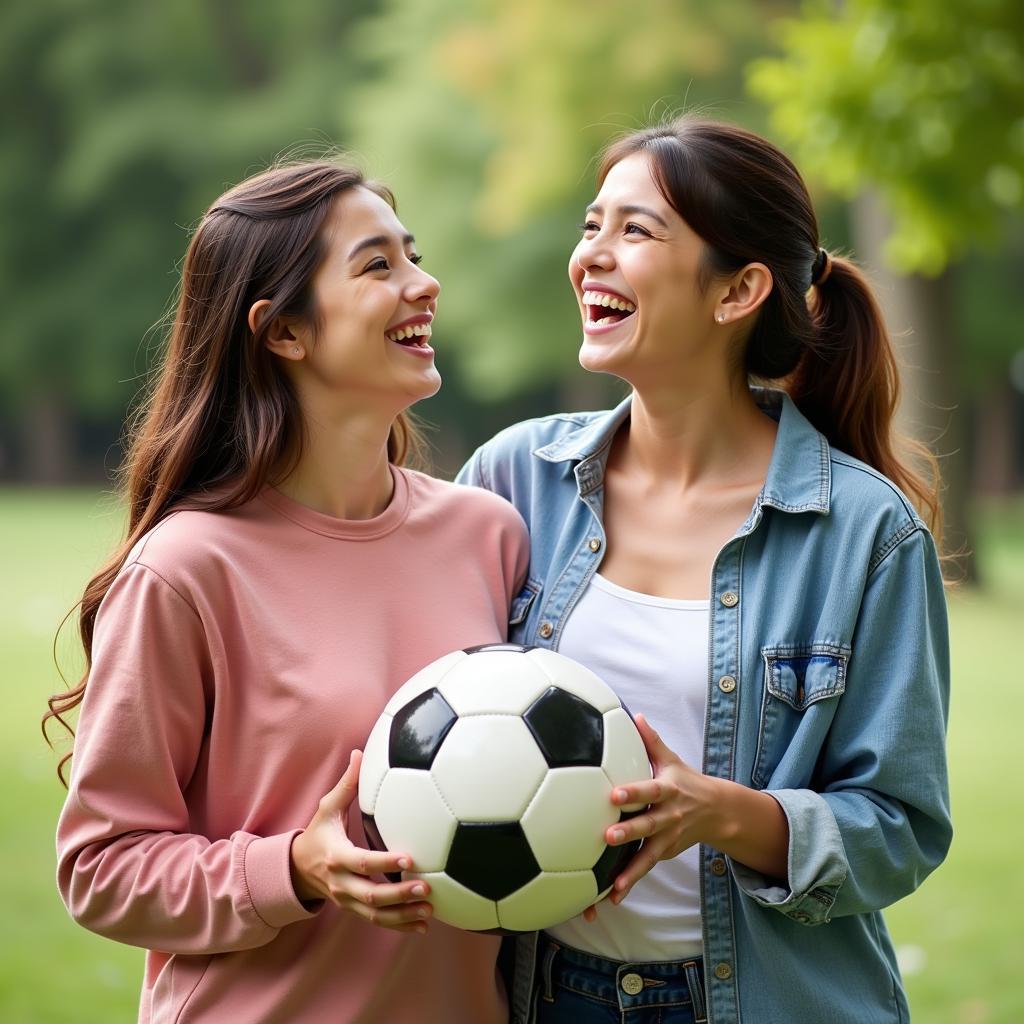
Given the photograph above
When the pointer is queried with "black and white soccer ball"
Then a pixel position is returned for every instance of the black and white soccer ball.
(493, 769)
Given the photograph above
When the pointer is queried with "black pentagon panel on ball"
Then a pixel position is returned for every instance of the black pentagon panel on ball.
(514, 648)
(569, 731)
(492, 860)
(375, 842)
(419, 729)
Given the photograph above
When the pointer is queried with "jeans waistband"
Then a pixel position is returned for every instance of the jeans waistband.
(630, 984)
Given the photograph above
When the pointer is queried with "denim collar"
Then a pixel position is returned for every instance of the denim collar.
(799, 475)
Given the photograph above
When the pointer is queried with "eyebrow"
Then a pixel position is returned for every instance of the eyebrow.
(645, 210)
(378, 241)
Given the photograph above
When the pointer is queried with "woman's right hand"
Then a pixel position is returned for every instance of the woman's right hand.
(326, 864)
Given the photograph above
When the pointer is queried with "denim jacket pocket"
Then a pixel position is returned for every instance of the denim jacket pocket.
(802, 684)
(523, 601)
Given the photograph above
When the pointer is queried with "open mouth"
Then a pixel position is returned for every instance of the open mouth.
(414, 336)
(604, 309)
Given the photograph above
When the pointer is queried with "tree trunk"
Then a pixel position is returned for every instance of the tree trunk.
(934, 409)
(48, 451)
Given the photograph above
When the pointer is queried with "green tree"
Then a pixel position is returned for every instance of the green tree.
(915, 112)
(123, 122)
(487, 117)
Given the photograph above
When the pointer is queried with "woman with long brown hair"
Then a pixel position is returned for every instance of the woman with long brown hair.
(742, 549)
(282, 574)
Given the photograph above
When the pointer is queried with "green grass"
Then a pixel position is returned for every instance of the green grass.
(959, 935)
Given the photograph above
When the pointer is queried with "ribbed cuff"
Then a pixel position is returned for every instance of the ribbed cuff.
(267, 868)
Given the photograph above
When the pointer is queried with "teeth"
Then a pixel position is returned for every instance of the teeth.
(604, 320)
(604, 299)
(415, 331)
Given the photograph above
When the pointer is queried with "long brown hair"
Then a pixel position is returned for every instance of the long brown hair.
(221, 416)
(827, 345)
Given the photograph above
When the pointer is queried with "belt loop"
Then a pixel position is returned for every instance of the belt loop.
(695, 983)
(551, 950)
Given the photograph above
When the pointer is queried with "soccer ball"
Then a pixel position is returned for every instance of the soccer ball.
(493, 769)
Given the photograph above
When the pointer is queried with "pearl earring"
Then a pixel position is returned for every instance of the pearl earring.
(720, 318)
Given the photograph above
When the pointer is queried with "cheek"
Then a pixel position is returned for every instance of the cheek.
(574, 268)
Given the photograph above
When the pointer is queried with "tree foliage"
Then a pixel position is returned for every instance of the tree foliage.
(922, 101)
(487, 117)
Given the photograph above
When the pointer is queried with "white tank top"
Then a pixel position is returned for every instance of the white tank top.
(653, 652)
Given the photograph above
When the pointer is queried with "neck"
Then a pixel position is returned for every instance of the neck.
(688, 438)
(343, 470)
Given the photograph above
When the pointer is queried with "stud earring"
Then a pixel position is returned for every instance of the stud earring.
(720, 318)
(296, 350)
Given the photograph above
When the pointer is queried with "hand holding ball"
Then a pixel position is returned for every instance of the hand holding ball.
(493, 769)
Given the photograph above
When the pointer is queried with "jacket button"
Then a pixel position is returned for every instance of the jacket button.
(546, 629)
(727, 684)
(730, 599)
(723, 972)
(595, 544)
(718, 866)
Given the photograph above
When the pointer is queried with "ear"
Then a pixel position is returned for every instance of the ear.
(746, 291)
(280, 339)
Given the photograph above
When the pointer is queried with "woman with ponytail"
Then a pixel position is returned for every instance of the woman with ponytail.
(283, 573)
(743, 551)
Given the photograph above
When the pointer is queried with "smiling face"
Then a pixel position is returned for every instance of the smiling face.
(635, 273)
(375, 307)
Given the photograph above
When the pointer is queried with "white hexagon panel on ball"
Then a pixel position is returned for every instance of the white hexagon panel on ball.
(572, 676)
(566, 820)
(427, 677)
(625, 756)
(412, 818)
(488, 768)
(547, 900)
(499, 682)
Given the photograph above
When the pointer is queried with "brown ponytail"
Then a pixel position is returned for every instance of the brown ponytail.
(221, 417)
(826, 344)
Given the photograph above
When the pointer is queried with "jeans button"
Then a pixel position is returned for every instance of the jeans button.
(632, 984)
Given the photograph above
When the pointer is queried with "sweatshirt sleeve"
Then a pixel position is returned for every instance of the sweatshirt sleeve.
(881, 822)
(129, 866)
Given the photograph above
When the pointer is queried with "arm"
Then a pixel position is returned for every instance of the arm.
(130, 865)
(880, 822)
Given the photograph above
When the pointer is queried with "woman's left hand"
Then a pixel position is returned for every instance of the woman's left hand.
(681, 812)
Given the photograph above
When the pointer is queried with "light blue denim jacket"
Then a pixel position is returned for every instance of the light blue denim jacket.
(828, 686)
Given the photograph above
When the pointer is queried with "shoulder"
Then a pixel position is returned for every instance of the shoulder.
(465, 504)
(188, 545)
(865, 500)
(513, 448)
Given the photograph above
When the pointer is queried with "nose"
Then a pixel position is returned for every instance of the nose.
(422, 287)
(593, 254)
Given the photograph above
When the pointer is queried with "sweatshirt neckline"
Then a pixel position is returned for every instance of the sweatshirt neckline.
(390, 519)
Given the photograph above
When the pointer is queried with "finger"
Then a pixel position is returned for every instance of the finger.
(639, 827)
(590, 914)
(648, 855)
(649, 791)
(657, 751)
(405, 917)
(384, 894)
(344, 792)
(356, 860)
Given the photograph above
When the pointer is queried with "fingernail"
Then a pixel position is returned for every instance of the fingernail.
(419, 890)
(423, 912)
(404, 863)
(618, 835)
(421, 929)
(621, 794)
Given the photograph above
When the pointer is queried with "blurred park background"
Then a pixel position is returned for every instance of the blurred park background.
(122, 121)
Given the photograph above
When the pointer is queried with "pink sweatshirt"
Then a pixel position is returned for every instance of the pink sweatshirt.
(238, 658)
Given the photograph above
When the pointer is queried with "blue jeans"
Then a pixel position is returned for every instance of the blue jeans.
(579, 988)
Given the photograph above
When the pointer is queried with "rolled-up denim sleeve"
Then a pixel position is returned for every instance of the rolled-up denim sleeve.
(879, 824)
